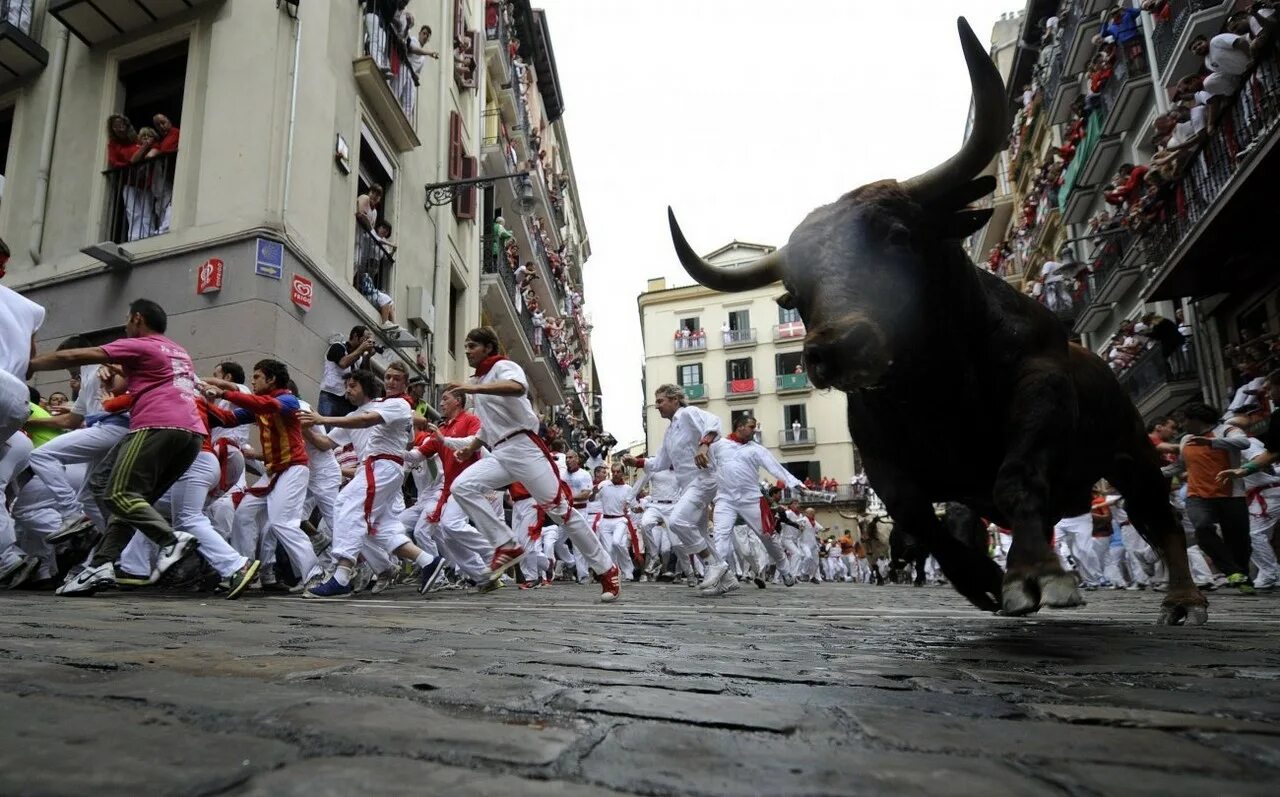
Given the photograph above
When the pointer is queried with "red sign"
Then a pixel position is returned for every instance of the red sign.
(300, 291)
(209, 276)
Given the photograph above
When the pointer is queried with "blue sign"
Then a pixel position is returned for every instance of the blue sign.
(270, 259)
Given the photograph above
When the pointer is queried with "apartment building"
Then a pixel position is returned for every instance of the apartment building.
(1203, 259)
(741, 354)
(246, 231)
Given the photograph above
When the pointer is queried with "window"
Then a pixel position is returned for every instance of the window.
(740, 320)
(793, 414)
(786, 316)
(374, 258)
(461, 167)
(789, 363)
(738, 369)
(692, 323)
(804, 470)
(690, 374)
(736, 417)
(140, 195)
(455, 318)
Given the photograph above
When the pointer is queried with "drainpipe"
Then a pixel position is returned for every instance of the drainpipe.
(41, 201)
(293, 113)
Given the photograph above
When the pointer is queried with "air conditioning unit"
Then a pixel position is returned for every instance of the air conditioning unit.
(421, 310)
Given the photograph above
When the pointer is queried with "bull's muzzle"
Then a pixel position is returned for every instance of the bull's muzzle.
(848, 355)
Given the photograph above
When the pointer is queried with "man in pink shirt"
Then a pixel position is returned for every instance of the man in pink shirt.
(165, 430)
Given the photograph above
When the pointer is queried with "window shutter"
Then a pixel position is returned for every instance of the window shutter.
(455, 145)
(464, 204)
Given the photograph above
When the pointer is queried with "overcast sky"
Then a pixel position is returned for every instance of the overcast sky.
(743, 116)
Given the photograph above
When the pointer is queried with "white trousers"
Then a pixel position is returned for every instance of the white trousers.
(1075, 537)
(381, 526)
(278, 514)
(519, 460)
(35, 516)
(615, 536)
(1141, 560)
(1264, 556)
(455, 537)
(88, 446)
(139, 212)
(15, 402)
(323, 486)
(688, 519)
(524, 524)
(13, 458)
(727, 513)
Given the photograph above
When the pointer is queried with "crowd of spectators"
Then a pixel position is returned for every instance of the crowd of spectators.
(142, 160)
(1151, 331)
(398, 46)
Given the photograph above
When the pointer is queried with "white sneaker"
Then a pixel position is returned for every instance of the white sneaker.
(88, 581)
(72, 527)
(729, 583)
(171, 553)
(712, 577)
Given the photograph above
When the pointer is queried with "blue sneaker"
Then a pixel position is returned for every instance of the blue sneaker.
(328, 589)
(429, 575)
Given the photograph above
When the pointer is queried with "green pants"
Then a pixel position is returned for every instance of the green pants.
(148, 462)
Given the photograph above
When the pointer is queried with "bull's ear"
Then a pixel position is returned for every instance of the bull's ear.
(963, 222)
(965, 193)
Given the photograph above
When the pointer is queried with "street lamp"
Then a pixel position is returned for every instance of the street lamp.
(439, 194)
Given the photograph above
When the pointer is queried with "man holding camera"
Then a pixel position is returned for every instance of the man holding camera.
(340, 360)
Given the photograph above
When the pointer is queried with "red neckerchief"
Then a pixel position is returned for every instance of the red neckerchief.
(734, 438)
(487, 364)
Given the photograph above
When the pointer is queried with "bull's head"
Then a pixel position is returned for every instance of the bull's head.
(857, 269)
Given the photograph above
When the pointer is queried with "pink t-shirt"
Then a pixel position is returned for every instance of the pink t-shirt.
(161, 378)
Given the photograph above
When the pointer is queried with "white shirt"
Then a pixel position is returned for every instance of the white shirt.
(1224, 58)
(679, 445)
(578, 480)
(593, 507)
(663, 485)
(737, 469)
(392, 436)
(1049, 271)
(89, 402)
(240, 434)
(501, 416)
(19, 319)
(614, 498)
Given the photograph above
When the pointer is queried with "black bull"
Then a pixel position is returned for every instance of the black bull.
(960, 388)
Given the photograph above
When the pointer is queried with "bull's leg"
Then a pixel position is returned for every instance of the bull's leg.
(970, 571)
(1146, 497)
(921, 559)
(1041, 422)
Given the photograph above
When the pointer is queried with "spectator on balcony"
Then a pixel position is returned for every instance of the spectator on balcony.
(382, 235)
(1122, 27)
(124, 149)
(367, 207)
(162, 178)
(418, 52)
(1226, 56)
(1127, 185)
(538, 320)
(464, 62)
(1163, 331)
(376, 15)
(1160, 10)
(1184, 328)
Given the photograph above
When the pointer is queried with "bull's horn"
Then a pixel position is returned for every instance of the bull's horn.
(756, 274)
(990, 126)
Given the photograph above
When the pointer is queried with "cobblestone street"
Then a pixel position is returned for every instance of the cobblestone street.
(832, 689)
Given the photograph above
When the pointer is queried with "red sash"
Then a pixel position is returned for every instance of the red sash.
(563, 492)
(768, 523)
(637, 546)
(1254, 494)
(371, 486)
(220, 447)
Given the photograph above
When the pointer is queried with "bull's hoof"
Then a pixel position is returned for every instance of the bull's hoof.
(1183, 615)
(1058, 590)
(1019, 597)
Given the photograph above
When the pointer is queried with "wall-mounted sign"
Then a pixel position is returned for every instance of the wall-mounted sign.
(209, 276)
(301, 291)
(270, 259)
(342, 155)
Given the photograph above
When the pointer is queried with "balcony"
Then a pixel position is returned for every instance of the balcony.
(1109, 277)
(1182, 248)
(798, 437)
(738, 338)
(387, 82)
(140, 199)
(736, 389)
(792, 330)
(96, 21)
(499, 296)
(374, 262)
(1189, 18)
(696, 394)
(1127, 92)
(690, 345)
(20, 55)
(1158, 384)
(794, 383)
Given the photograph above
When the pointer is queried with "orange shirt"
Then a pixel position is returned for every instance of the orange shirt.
(846, 544)
(1203, 465)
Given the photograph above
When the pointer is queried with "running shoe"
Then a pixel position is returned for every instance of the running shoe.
(1241, 582)
(127, 579)
(74, 526)
(88, 581)
(19, 575)
(242, 578)
(171, 553)
(429, 575)
(789, 579)
(760, 582)
(715, 573)
(329, 589)
(610, 585)
(504, 558)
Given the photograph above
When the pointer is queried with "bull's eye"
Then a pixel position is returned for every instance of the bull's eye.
(898, 235)
(786, 301)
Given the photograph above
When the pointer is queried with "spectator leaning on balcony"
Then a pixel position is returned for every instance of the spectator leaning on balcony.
(126, 148)
(1122, 27)
(1226, 56)
(162, 178)
(418, 52)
